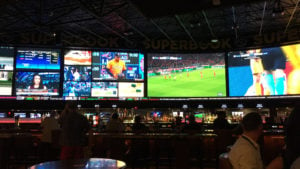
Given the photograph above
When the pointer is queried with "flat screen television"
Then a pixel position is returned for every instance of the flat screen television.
(37, 83)
(77, 73)
(78, 57)
(264, 72)
(104, 89)
(186, 75)
(6, 83)
(35, 115)
(6, 63)
(199, 116)
(76, 89)
(6, 70)
(119, 66)
(127, 89)
(2, 115)
(38, 59)
(21, 115)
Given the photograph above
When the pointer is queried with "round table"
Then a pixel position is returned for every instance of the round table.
(92, 163)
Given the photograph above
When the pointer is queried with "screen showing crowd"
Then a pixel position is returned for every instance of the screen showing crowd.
(264, 72)
(186, 75)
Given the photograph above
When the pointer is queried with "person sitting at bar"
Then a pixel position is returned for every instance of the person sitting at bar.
(114, 124)
(245, 153)
(220, 122)
(292, 152)
(74, 128)
(178, 125)
(192, 126)
(139, 127)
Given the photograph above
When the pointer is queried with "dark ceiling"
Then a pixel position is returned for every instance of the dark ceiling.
(138, 20)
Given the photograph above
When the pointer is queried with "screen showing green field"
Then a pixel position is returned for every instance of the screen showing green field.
(186, 75)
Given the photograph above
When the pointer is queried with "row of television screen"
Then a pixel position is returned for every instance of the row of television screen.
(96, 73)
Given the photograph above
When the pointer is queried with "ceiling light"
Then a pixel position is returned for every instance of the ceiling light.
(214, 40)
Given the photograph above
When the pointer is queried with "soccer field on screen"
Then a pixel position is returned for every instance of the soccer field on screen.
(189, 84)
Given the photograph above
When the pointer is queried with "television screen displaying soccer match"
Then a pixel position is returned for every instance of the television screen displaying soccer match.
(265, 72)
(38, 59)
(118, 66)
(6, 70)
(37, 83)
(186, 75)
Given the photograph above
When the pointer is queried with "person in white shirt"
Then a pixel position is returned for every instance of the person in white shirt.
(296, 164)
(48, 125)
(245, 153)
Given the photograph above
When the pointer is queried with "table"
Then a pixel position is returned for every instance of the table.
(91, 163)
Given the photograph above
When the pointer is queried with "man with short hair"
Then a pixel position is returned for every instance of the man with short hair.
(115, 67)
(245, 153)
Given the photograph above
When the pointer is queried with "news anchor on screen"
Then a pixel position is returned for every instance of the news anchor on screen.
(37, 83)
(116, 67)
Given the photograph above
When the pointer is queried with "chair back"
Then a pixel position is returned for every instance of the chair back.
(224, 162)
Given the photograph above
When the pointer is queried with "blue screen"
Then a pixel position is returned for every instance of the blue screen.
(38, 59)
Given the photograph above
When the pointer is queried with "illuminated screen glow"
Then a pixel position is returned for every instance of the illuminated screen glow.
(128, 67)
(78, 57)
(38, 59)
(6, 70)
(105, 89)
(37, 83)
(131, 89)
(186, 75)
(77, 73)
(265, 72)
(76, 89)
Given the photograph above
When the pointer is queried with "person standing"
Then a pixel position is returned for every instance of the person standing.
(74, 128)
(48, 125)
(292, 152)
(115, 125)
(221, 122)
(245, 153)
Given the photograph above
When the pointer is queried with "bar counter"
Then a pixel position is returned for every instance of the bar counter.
(179, 147)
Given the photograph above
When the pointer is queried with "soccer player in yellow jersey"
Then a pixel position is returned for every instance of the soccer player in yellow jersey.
(116, 67)
(293, 54)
